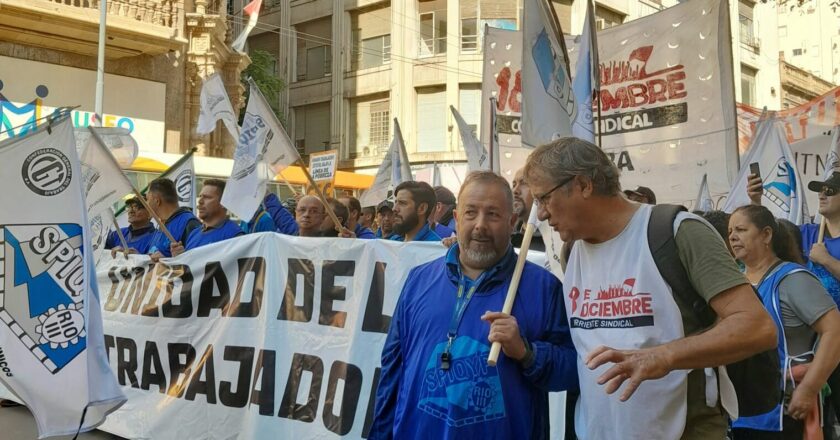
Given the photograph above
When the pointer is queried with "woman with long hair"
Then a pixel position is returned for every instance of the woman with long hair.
(806, 317)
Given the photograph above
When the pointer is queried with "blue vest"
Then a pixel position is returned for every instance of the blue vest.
(179, 224)
(768, 292)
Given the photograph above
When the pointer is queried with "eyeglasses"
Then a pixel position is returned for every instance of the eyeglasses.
(543, 199)
(829, 191)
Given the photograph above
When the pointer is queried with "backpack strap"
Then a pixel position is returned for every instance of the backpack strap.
(663, 247)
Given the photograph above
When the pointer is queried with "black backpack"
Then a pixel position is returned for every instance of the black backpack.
(757, 379)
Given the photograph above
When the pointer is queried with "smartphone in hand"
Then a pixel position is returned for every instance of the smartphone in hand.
(754, 169)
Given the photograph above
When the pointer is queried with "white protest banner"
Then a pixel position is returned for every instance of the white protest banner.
(809, 132)
(51, 339)
(667, 99)
(215, 105)
(262, 142)
(784, 192)
(263, 336)
(548, 103)
(502, 79)
(322, 168)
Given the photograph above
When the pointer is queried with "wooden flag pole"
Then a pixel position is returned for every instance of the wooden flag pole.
(496, 348)
(123, 241)
(289, 185)
(338, 226)
(159, 221)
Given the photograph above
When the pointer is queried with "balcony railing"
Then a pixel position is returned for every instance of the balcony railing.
(158, 12)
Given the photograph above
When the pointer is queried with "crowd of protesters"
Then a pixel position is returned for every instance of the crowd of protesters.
(637, 361)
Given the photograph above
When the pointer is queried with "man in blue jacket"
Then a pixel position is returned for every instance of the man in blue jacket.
(435, 382)
(385, 219)
(354, 208)
(216, 226)
(138, 235)
(413, 204)
(180, 221)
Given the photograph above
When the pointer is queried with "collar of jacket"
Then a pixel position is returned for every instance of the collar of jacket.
(181, 210)
(497, 274)
(141, 231)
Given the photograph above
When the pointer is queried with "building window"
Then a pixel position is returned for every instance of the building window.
(380, 124)
(431, 120)
(797, 52)
(469, 106)
(475, 15)
(432, 28)
(370, 52)
(370, 123)
(314, 49)
(312, 128)
(748, 75)
(746, 27)
(607, 18)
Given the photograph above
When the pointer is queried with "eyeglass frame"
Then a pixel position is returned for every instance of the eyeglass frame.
(829, 189)
(542, 200)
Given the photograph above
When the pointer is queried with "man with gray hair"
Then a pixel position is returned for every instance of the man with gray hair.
(435, 382)
(633, 337)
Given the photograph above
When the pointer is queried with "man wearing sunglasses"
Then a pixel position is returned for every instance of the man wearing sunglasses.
(641, 355)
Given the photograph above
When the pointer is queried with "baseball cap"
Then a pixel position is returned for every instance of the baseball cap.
(833, 181)
(136, 202)
(384, 205)
(643, 191)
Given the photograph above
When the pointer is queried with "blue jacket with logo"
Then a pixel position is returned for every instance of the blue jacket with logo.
(424, 234)
(180, 224)
(417, 399)
(139, 239)
(203, 236)
(284, 221)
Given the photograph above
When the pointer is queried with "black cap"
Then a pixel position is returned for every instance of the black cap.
(136, 202)
(642, 191)
(384, 205)
(832, 182)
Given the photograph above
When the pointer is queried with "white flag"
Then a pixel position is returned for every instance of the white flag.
(393, 170)
(704, 197)
(548, 104)
(182, 174)
(215, 105)
(783, 190)
(586, 77)
(53, 354)
(105, 183)
(253, 11)
(476, 154)
(262, 141)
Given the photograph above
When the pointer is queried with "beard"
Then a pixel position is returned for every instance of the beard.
(518, 206)
(407, 224)
(481, 258)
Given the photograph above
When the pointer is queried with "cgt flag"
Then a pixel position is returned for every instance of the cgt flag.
(783, 192)
(263, 147)
(393, 170)
(51, 339)
(215, 105)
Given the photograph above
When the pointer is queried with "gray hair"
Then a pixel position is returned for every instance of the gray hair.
(571, 156)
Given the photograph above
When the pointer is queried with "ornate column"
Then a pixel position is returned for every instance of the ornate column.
(209, 52)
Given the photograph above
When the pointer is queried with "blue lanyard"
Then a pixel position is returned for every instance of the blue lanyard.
(461, 303)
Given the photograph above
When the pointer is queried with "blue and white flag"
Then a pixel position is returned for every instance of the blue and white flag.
(832, 163)
(263, 148)
(783, 191)
(548, 104)
(51, 340)
(586, 77)
(215, 106)
(393, 170)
